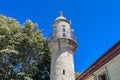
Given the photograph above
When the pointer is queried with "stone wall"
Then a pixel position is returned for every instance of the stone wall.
(62, 66)
(113, 68)
(110, 69)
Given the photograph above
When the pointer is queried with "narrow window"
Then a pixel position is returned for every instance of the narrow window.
(63, 72)
(63, 30)
(102, 77)
(64, 34)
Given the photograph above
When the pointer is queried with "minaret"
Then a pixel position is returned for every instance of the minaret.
(62, 45)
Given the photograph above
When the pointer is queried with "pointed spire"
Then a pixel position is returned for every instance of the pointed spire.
(61, 13)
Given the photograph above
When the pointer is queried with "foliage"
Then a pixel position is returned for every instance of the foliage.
(77, 74)
(24, 54)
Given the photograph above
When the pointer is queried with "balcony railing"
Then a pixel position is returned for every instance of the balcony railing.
(51, 37)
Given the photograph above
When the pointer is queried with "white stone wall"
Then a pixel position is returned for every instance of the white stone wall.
(57, 29)
(90, 78)
(62, 48)
(62, 60)
(113, 68)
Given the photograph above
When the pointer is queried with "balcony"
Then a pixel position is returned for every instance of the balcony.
(51, 37)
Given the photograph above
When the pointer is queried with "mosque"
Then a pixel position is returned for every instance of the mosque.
(62, 45)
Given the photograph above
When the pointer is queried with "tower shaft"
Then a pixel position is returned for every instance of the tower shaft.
(62, 44)
(62, 67)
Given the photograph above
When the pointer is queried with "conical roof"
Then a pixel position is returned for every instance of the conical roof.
(60, 17)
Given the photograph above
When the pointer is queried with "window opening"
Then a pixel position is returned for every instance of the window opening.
(64, 35)
(63, 72)
(102, 77)
(63, 31)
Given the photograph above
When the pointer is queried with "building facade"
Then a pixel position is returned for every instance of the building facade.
(62, 45)
(107, 67)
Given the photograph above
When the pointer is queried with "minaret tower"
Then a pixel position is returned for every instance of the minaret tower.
(62, 44)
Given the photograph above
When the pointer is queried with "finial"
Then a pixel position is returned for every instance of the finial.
(61, 13)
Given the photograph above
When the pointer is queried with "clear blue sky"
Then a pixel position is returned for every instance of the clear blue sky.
(96, 22)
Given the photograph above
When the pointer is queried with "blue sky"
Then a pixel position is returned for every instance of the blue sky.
(96, 22)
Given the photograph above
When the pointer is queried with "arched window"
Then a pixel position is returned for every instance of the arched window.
(63, 31)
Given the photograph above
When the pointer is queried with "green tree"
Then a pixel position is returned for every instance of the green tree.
(8, 29)
(23, 51)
